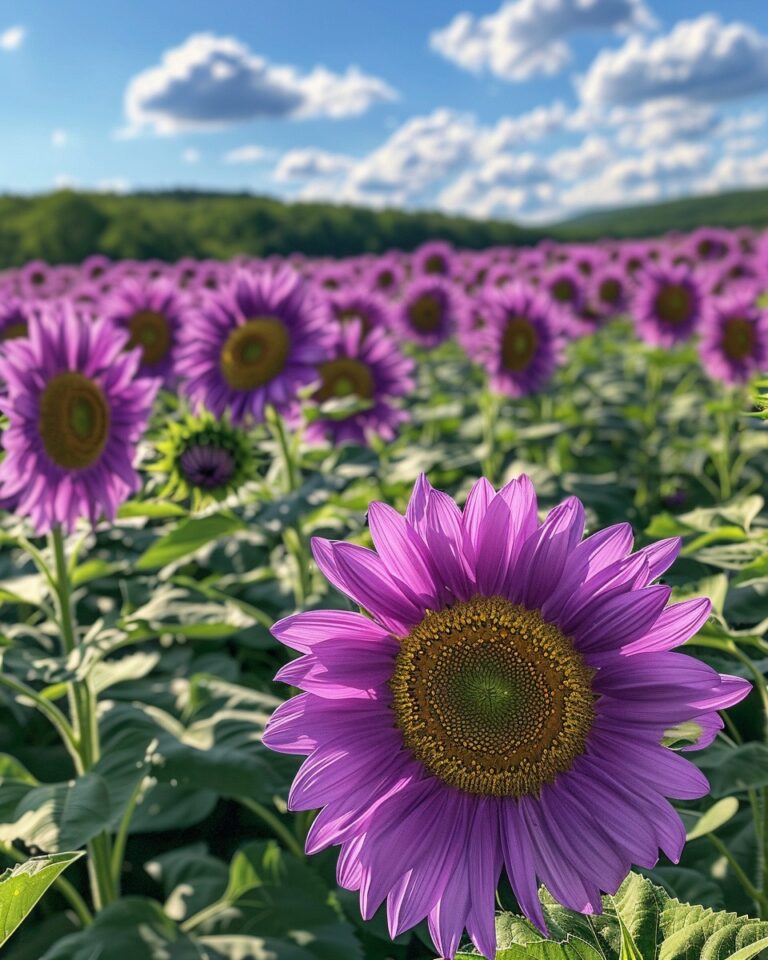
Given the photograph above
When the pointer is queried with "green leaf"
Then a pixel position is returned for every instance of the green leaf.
(640, 923)
(150, 510)
(187, 538)
(22, 887)
(736, 768)
(275, 896)
(714, 818)
(130, 929)
(59, 816)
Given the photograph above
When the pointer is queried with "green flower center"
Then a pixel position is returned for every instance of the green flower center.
(564, 290)
(519, 343)
(344, 377)
(738, 338)
(255, 353)
(425, 313)
(492, 699)
(150, 331)
(74, 421)
(435, 264)
(15, 331)
(610, 291)
(674, 304)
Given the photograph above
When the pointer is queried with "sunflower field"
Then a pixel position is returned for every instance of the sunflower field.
(406, 606)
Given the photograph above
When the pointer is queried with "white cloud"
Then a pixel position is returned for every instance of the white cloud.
(190, 155)
(113, 185)
(526, 38)
(703, 60)
(209, 82)
(311, 163)
(12, 38)
(250, 153)
(65, 181)
(59, 138)
(573, 163)
(736, 172)
(660, 122)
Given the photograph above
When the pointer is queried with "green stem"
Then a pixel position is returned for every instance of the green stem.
(83, 706)
(121, 837)
(64, 887)
(761, 900)
(49, 710)
(489, 411)
(207, 913)
(295, 540)
(275, 824)
(725, 425)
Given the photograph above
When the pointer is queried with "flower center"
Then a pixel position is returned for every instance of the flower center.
(385, 279)
(207, 467)
(610, 291)
(435, 264)
(255, 353)
(150, 331)
(518, 344)
(344, 377)
(74, 421)
(15, 331)
(738, 338)
(564, 291)
(425, 313)
(492, 699)
(673, 304)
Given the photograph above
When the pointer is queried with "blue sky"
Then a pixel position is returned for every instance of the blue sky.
(531, 110)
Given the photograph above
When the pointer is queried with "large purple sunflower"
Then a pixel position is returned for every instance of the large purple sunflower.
(256, 342)
(367, 368)
(503, 705)
(76, 412)
(152, 313)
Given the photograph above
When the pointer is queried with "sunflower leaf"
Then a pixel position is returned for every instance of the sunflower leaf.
(22, 886)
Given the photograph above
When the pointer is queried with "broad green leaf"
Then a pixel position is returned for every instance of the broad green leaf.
(134, 666)
(640, 923)
(187, 538)
(274, 896)
(736, 768)
(714, 818)
(131, 929)
(750, 951)
(60, 816)
(22, 886)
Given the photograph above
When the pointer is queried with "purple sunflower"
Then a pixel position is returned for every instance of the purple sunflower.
(567, 286)
(14, 318)
(255, 342)
(435, 258)
(369, 369)
(522, 343)
(427, 312)
(734, 340)
(76, 412)
(356, 304)
(502, 706)
(609, 291)
(152, 313)
(668, 304)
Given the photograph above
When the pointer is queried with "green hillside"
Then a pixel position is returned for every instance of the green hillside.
(743, 208)
(67, 226)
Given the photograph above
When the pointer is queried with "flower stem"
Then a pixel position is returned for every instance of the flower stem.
(293, 535)
(489, 410)
(83, 709)
(275, 824)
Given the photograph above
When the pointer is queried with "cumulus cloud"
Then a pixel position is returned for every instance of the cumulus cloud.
(210, 82)
(12, 38)
(250, 153)
(311, 163)
(526, 38)
(701, 60)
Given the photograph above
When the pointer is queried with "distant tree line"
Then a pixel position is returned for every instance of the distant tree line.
(66, 226)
